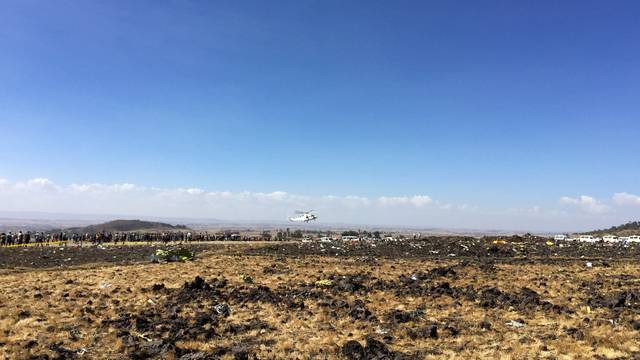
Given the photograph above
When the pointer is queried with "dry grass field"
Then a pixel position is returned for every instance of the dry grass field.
(322, 307)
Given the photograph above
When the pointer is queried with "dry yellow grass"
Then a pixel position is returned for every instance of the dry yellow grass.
(43, 307)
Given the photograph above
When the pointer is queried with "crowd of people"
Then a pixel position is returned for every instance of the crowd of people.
(46, 238)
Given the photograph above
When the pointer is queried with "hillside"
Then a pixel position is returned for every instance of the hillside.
(630, 228)
(128, 225)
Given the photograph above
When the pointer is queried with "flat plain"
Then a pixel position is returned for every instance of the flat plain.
(438, 298)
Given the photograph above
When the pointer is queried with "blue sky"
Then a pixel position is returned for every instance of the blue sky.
(499, 106)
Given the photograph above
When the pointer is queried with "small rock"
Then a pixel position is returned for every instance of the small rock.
(353, 350)
(157, 287)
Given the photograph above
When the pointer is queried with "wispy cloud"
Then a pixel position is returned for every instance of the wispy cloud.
(623, 198)
(42, 194)
(416, 200)
(586, 203)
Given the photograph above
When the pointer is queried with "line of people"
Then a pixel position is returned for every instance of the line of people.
(45, 238)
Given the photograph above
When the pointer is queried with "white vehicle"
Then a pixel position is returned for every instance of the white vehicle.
(634, 238)
(560, 237)
(303, 216)
(350, 238)
(610, 238)
(325, 239)
(587, 238)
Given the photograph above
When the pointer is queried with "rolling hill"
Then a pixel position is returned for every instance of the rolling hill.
(630, 228)
(128, 225)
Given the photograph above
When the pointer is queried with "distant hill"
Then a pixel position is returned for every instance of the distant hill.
(128, 225)
(630, 228)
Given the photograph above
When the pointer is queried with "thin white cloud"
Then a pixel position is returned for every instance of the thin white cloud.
(349, 201)
(623, 198)
(416, 200)
(194, 191)
(44, 195)
(37, 184)
(101, 188)
(586, 203)
(535, 210)
(132, 199)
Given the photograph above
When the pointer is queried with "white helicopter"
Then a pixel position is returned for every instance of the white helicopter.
(303, 216)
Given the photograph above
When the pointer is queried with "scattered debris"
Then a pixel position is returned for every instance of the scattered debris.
(180, 254)
(222, 310)
(167, 316)
(324, 283)
(514, 323)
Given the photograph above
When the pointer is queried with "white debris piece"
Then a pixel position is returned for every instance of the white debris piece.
(514, 323)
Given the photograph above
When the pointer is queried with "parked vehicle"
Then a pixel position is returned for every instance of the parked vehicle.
(560, 237)
(610, 238)
(587, 238)
(634, 238)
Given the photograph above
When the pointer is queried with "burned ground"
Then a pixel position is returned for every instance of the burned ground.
(364, 304)
(46, 257)
(516, 247)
